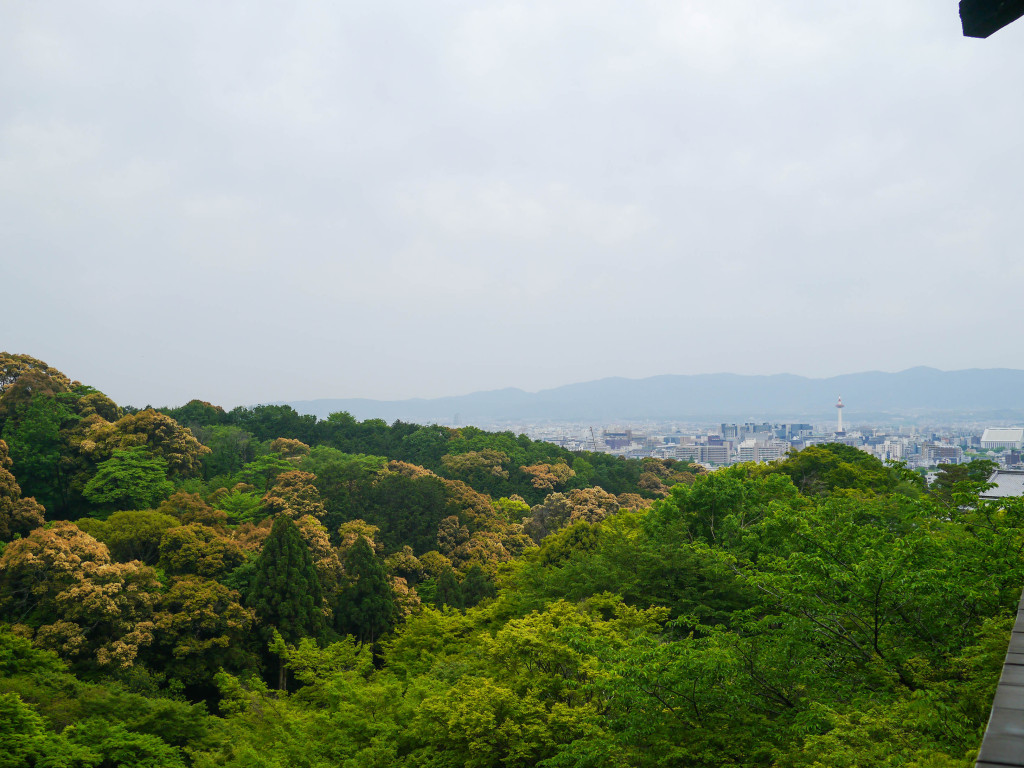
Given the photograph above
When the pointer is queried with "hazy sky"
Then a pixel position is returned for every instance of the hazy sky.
(252, 201)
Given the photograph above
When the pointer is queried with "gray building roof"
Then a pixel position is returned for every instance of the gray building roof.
(1003, 435)
(1008, 482)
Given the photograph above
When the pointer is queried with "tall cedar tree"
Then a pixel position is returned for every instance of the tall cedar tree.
(449, 591)
(476, 586)
(366, 607)
(284, 589)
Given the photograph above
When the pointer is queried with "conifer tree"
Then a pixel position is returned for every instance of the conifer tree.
(449, 591)
(284, 589)
(366, 607)
(476, 586)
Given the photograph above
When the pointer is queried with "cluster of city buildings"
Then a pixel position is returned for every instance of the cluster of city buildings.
(727, 443)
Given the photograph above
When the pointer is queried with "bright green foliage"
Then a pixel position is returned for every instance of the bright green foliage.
(431, 639)
(130, 479)
(641, 557)
(39, 698)
(312, 663)
(512, 510)
(25, 740)
(366, 606)
(241, 506)
(576, 539)
(284, 589)
(721, 506)
(159, 434)
(262, 470)
(479, 724)
(22, 734)
(114, 745)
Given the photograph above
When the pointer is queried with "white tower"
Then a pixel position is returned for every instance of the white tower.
(839, 410)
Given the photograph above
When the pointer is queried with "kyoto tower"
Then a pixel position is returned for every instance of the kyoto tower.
(839, 410)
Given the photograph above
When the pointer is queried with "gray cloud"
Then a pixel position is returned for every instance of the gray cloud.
(247, 202)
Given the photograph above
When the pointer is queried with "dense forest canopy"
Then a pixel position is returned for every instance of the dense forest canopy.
(199, 587)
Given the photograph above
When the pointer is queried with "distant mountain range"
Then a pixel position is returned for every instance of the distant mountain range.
(917, 393)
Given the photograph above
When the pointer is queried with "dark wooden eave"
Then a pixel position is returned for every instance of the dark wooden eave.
(1003, 744)
(980, 18)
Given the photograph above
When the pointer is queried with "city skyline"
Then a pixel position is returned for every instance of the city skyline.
(912, 394)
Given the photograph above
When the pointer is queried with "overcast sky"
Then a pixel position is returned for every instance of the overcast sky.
(253, 201)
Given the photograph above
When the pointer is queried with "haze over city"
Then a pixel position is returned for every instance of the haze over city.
(252, 202)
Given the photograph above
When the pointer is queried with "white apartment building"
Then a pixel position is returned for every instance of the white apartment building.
(766, 450)
(704, 454)
(890, 450)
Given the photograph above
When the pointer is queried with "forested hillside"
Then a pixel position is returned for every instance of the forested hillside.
(199, 587)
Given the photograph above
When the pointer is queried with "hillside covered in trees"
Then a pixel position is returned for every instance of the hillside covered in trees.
(199, 587)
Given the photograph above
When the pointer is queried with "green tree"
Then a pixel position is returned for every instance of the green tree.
(295, 495)
(111, 744)
(957, 477)
(61, 700)
(17, 515)
(61, 583)
(200, 627)
(821, 469)
(341, 478)
(230, 449)
(22, 733)
(426, 446)
(476, 586)
(131, 535)
(130, 479)
(449, 591)
(268, 422)
(241, 506)
(12, 367)
(161, 435)
(37, 450)
(284, 589)
(198, 549)
(366, 606)
(196, 413)
(262, 470)
(408, 510)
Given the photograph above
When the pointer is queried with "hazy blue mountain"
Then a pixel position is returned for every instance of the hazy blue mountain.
(917, 392)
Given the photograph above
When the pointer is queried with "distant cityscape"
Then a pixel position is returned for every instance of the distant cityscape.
(718, 445)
